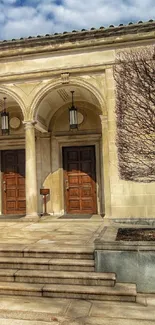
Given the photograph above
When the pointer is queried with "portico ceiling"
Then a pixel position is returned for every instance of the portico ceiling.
(60, 97)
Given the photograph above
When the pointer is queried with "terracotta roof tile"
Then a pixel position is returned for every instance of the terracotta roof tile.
(115, 29)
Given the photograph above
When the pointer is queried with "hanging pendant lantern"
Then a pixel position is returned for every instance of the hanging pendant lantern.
(5, 120)
(73, 122)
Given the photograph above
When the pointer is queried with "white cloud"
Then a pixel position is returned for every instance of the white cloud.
(21, 18)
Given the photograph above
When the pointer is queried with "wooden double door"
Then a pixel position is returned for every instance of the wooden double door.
(13, 182)
(79, 179)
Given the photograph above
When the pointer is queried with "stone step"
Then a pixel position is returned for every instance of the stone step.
(63, 277)
(61, 253)
(26, 263)
(12, 321)
(120, 292)
(57, 277)
(49, 251)
(21, 289)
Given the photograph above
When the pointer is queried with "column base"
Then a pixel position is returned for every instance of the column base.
(30, 218)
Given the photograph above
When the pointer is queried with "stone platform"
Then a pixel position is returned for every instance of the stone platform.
(72, 235)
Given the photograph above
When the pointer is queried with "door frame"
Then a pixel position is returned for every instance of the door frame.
(73, 141)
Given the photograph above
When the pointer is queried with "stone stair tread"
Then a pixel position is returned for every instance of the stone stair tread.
(123, 289)
(12, 321)
(62, 249)
(12, 247)
(8, 272)
(33, 260)
(65, 274)
(20, 286)
(45, 248)
(25, 260)
(72, 262)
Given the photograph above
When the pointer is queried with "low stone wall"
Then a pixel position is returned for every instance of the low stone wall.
(132, 261)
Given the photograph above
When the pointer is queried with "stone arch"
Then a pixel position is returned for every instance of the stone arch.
(56, 144)
(15, 96)
(53, 85)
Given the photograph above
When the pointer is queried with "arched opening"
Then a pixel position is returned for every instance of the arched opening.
(12, 160)
(70, 161)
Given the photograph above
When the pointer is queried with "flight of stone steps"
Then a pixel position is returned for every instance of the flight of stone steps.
(63, 272)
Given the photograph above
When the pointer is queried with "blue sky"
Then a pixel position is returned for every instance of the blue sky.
(22, 18)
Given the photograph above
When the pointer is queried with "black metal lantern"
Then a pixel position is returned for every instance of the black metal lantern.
(73, 122)
(5, 119)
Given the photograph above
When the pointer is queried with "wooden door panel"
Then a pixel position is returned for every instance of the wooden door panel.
(73, 167)
(80, 182)
(74, 192)
(11, 194)
(85, 154)
(21, 205)
(74, 205)
(86, 204)
(11, 206)
(86, 192)
(73, 180)
(13, 189)
(85, 179)
(20, 194)
(85, 167)
(72, 155)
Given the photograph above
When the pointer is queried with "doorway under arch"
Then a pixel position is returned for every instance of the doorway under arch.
(12, 160)
(59, 145)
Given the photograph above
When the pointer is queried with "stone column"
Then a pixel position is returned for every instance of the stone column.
(106, 162)
(31, 175)
(109, 138)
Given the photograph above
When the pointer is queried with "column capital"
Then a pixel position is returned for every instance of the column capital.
(29, 124)
(104, 120)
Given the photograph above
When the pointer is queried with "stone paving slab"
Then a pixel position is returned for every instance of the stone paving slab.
(86, 311)
(44, 311)
(126, 311)
(69, 233)
(108, 321)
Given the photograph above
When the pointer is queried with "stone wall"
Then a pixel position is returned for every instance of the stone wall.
(34, 83)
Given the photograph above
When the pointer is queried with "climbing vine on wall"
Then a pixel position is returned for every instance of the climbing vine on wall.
(134, 74)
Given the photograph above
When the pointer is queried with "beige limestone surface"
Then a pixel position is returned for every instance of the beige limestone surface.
(71, 235)
(37, 76)
(51, 232)
(41, 311)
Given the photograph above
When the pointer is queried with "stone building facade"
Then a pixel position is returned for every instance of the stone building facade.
(80, 166)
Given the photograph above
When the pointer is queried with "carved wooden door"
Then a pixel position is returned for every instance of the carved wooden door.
(80, 179)
(13, 183)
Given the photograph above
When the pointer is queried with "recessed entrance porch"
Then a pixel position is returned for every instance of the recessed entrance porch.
(71, 160)
(12, 160)
(45, 139)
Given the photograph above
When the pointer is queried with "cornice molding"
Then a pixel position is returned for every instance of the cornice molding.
(80, 39)
(39, 75)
